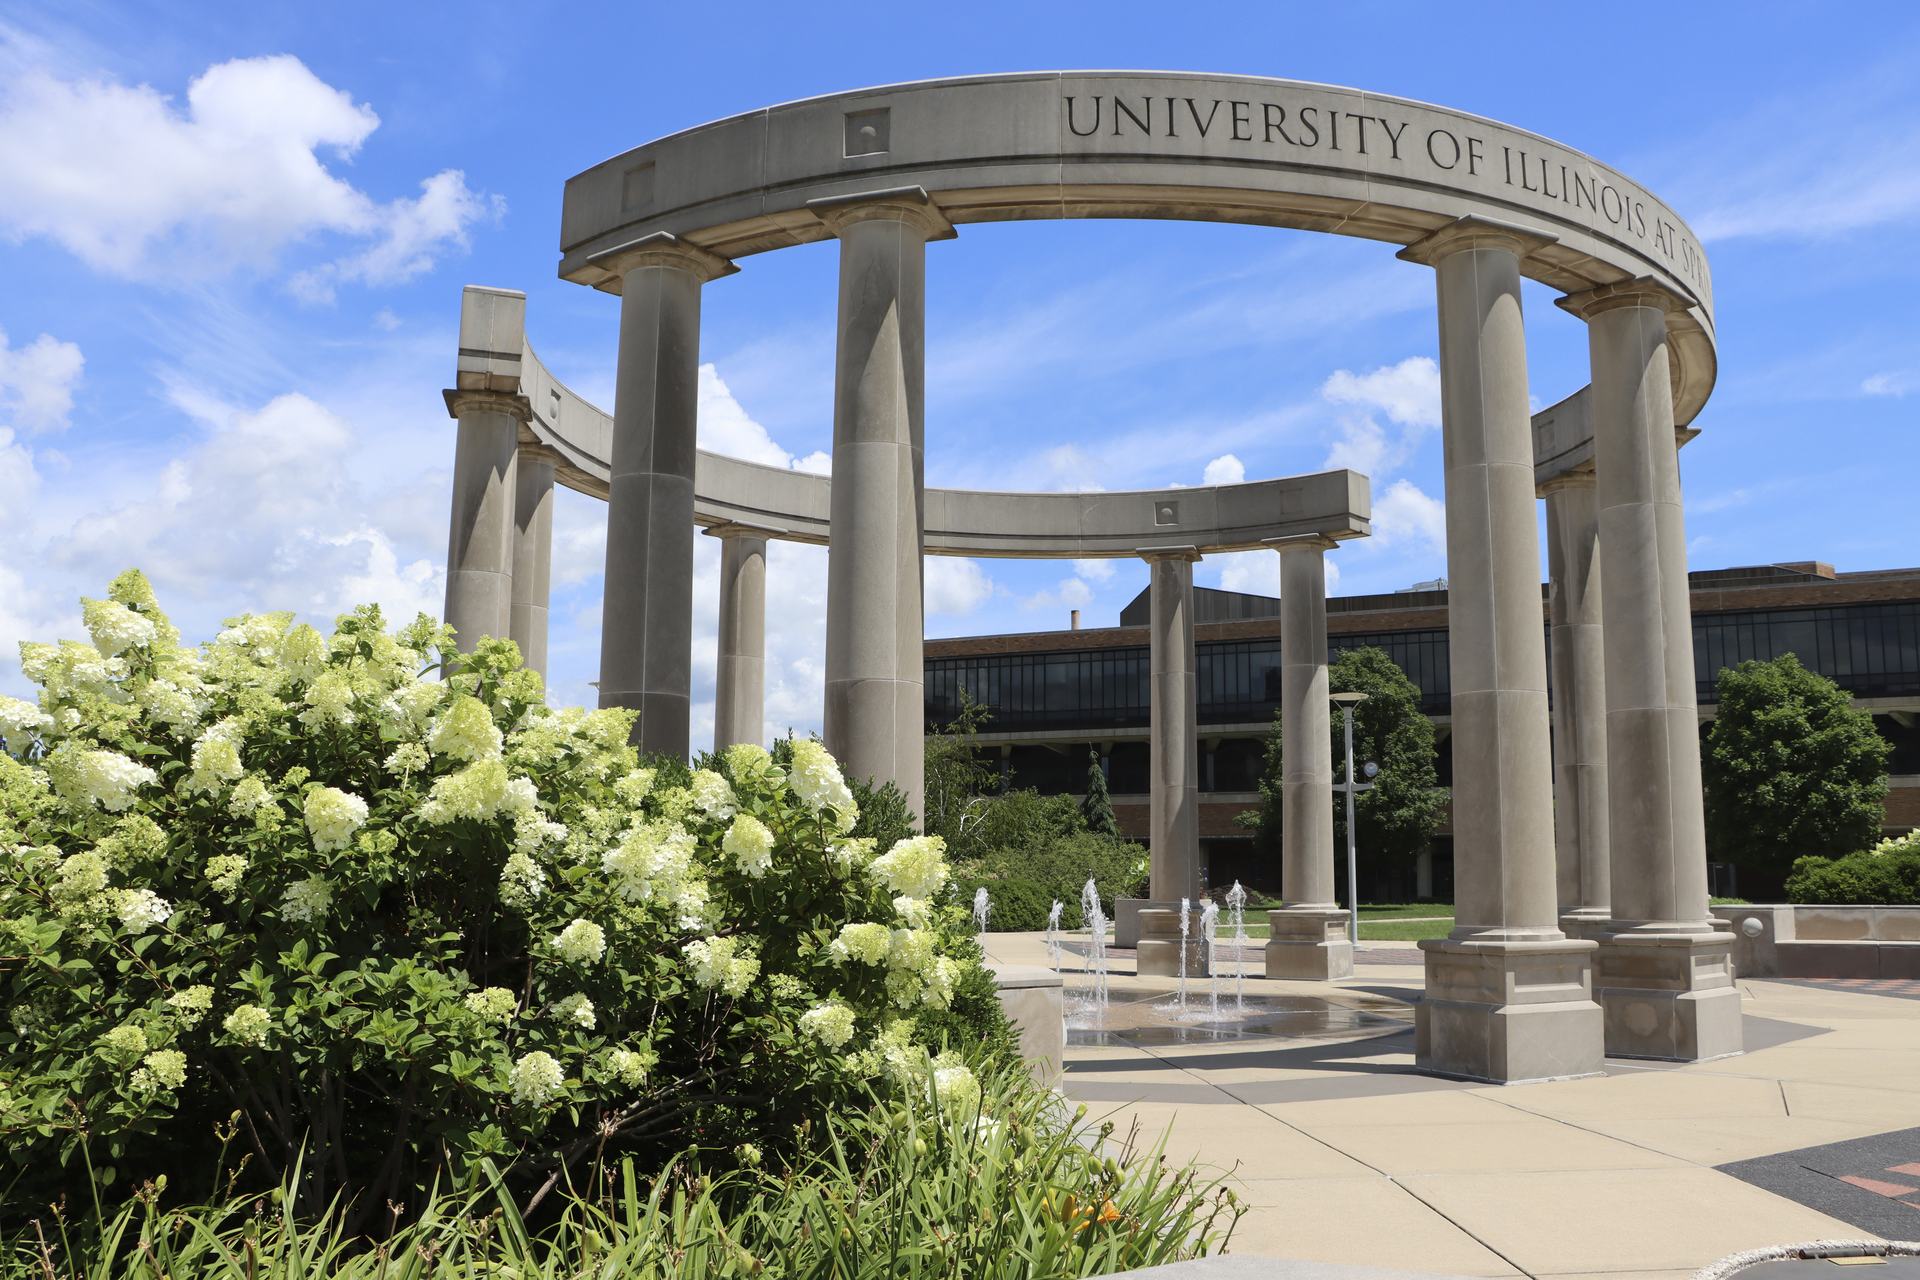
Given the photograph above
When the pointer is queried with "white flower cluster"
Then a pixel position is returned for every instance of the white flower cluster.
(521, 881)
(81, 877)
(576, 1009)
(164, 1069)
(531, 831)
(634, 787)
(536, 1079)
(815, 778)
(329, 700)
(956, 1089)
(224, 871)
(19, 721)
(251, 797)
(630, 1066)
(868, 943)
(913, 866)
(106, 778)
(465, 730)
(307, 900)
(141, 909)
(216, 757)
(171, 702)
(478, 791)
(750, 845)
(717, 963)
(712, 796)
(114, 627)
(495, 1004)
(333, 816)
(127, 1039)
(249, 1024)
(581, 942)
(303, 653)
(654, 862)
(830, 1024)
(191, 1005)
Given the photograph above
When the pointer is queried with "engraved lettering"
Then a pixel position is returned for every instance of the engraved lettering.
(1563, 184)
(1581, 189)
(1435, 156)
(1474, 157)
(1640, 218)
(1509, 154)
(1333, 130)
(1083, 133)
(1611, 215)
(1545, 185)
(1198, 123)
(1364, 120)
(1240, 118)
(1300, 117)
(1393, 137)
(1523, 172)
(1267, 110)
(1170, 132)
(1145, 126)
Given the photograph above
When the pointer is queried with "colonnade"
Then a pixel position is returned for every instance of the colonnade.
(1581, 927)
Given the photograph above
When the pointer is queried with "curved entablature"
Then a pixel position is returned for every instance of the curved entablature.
(795, 505)
(1130, 144)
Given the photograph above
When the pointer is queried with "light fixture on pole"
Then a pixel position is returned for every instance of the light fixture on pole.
(1347, 702)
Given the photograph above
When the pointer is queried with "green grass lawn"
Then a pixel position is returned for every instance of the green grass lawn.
(1404, 930)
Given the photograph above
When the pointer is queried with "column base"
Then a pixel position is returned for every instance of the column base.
(1669, 997)
(1308, 944)
(1508, 1012)
(1126, 917)
(1586, 922)
(1161, 948)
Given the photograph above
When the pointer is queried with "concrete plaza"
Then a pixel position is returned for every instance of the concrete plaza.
(1347, 1156)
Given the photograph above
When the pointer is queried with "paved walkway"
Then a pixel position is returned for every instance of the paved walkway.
(1349, 1156)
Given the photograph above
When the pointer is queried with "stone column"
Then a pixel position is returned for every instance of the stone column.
(1174, 747)
(1508, 996)
(481, 541)
(875, 713)
(646, 632)
(1664, 972)
(1308, 934)
(740, 675)
(1579, 703)
(532, 555)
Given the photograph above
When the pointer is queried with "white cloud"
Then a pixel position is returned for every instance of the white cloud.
(726, 427)
(1253, 572)
(1225, 469)
(37, 381)
(1405, 514)
(1094, 570)
(1072, 469)
(1075, 594)
(1887, 384)
(135, 187)
(955, 586)
(1408, 393)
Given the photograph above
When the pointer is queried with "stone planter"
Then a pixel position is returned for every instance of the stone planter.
(1160, 944)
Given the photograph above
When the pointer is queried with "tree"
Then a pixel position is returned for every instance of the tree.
(956, 779)
(1791, 769)
(1097, 808)
(1399, 816)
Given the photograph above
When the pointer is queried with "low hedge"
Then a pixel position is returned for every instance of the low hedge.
(1884, 879)
(1019, 906)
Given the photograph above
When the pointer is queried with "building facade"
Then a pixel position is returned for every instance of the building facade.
(1056, 696)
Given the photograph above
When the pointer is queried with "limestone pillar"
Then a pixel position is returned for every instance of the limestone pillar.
(1174, 747)
(646, 632)
(487, 403)
(481, 541)
(1579, 703)
(740, 675)
(1308, 934)
(1664, 972)
(1508, 996)
(532, 555)
(875, 713)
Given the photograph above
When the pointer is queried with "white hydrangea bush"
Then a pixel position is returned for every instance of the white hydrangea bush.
(392, 917)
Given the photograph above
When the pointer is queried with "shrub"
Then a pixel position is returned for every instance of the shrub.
(401, 925)
(1887, 875)
(1019, 906)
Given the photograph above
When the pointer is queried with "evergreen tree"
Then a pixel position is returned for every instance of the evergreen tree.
(1398, 817)
(1791, 769)
(1097, 808)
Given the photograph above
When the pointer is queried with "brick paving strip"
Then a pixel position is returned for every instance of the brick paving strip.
(1258, 955)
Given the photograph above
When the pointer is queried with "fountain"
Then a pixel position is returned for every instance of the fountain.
(1237, 915)
(1053, 934)
(982, 908)
(1096, 945)
(1209, 930)
(1186, 905)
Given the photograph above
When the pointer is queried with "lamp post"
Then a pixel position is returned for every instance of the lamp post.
(1347, 702)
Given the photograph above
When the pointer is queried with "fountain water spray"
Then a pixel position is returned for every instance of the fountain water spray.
(1210, 929)
(1237, 916)
(1186, 905)
(1096, 944)
(1053, 935)
(982, 908)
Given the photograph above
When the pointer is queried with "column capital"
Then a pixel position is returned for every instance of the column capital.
(895, 204)
(661, 249)
(740, 529)
(1302, 542)
(1566, 480)
(1641, 291)
(1474, 232)
(459, 402)
(1154, 555)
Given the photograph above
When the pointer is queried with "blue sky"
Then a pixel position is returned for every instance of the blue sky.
(232, 241)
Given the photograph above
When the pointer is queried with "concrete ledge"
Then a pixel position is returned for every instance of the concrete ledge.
(1861, 959)
(1034, 1000)
(1239, 1266)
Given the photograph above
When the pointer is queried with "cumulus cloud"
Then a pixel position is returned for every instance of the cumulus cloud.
(1253, 572)
(1408, 394)
(726, 427)
(37, 382)
(955, 586)
(1225, 469)
(1405, 514)
(1072, 469)
(135, 186)
(1094, 570)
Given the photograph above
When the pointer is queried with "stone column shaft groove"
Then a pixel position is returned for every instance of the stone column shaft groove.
(874, 719)
(481, 538)
(1508, 996)
(739, 694)
(646, 634)
(532, 556)
(1173, 748)
(1579, 702)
